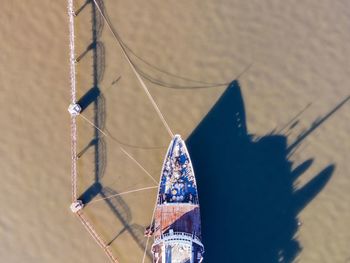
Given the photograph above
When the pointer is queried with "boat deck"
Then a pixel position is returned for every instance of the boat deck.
(179, 217)
(178, 184)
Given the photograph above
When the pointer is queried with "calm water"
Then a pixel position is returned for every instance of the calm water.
(269, 146)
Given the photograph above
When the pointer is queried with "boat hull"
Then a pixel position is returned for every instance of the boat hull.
(177, 223)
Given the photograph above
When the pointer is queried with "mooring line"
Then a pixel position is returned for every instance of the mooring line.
(91, 230)
(139, 165)
(122, 149)
(73, 100)
(94, 125)
(131, 191)
(124, 193)
(143, 85)
(85, 222)
(72, 51)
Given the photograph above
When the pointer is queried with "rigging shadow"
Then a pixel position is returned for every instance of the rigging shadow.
(246, 184)
(94, 97)
(249, 203)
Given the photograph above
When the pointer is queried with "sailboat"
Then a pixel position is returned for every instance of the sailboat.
(177, 225)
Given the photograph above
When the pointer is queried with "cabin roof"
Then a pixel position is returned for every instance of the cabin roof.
(178, 217)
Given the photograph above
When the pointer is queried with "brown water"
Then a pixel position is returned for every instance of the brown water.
(285, 55)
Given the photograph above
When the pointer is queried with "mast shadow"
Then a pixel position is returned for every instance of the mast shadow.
(249, 203)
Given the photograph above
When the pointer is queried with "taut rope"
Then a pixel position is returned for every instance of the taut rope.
(143, 85)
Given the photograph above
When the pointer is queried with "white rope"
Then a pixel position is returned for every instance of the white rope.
(85, 222)
(124, 193)
(72, 51)
(143, 85)
(122, 149)
(93, 125)
(91, 230)
(133, 159)
(74, 158)
(73, 100)
(139, 165)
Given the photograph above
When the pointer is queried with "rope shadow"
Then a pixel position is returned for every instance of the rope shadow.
(198, 84)
(95, 98)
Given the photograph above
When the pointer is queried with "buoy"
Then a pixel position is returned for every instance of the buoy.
(74, 109)
(76, 206)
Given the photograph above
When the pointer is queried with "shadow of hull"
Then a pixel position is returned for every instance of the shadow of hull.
(248, 202)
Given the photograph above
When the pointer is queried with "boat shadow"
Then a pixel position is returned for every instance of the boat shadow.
(95, 98)
(249, 202)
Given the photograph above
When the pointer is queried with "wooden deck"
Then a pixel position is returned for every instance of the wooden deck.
(179, 217)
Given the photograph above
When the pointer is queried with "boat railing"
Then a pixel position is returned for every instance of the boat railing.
(179, 236)
(193, 201)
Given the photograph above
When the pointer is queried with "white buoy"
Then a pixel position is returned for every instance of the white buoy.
(76, 206)
(74, 109)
